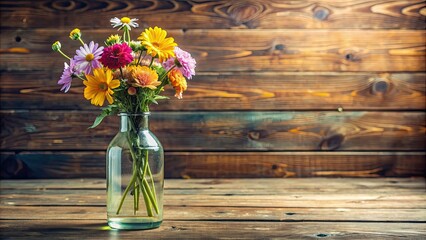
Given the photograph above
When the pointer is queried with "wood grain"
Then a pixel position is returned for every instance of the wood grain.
(229, 50)
(215, 186)
(212, 131)
(186, 14)
(97, 229)
(238, 91)
(224, 208)
(367, 200)
(188, 213)
(222, 164)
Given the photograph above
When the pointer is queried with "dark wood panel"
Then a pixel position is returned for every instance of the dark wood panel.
(247, 50)
(223, 165)
(217, 14)
(238, 91)
(204, 131)
(217, 186)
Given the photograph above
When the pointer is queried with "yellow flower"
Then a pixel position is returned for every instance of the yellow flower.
(156, 43)
(113, 39)
(75, 34)
(99, 86)
(143, 77)
(178, 82)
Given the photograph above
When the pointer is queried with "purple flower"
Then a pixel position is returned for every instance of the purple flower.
(183, 61)
(70, 71)
(87, 57)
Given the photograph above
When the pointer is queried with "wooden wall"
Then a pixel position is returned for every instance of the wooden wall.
(284, 88)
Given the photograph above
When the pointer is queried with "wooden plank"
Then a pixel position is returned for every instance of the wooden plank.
(212, 131)
(98, 198)
(70, 164)
(173, 213)
(309, 184)
(246, 50)
(217, 14)
(239, 91)
(97, 229)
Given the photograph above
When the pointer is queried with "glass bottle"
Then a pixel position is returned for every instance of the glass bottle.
(135, 175)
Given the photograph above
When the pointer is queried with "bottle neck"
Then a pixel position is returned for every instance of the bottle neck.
(138, 122)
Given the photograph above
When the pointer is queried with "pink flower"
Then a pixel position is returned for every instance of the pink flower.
(87, 57)
(116, 56)
(183, 61)
(69, 72)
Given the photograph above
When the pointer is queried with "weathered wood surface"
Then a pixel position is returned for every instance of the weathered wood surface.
(70, 164)
(353, 70)
(390, 208)
(218, 14)
(236, 131)
(223, 91)
(228, 50)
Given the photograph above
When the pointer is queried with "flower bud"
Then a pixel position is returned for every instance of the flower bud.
(113, 39)
(56, 46)
(135, 45)
(131, 91)
(75, 34)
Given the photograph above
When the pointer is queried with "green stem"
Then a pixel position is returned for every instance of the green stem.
(152, 183)
(132, 181)
(81, 41)
(63, 54)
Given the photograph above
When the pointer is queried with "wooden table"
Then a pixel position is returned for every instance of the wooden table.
(385, 208)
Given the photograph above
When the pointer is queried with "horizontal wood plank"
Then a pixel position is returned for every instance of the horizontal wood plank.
(311, 185)
(246, 50)
(218, 14)
(70, 164)
(212, 131)
(238, 91)
(368, 199)
(97, 229)
(223, 214)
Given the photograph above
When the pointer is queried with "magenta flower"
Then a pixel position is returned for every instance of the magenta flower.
(70, 71)
(117, 56)
(87, 57)
(183, 61)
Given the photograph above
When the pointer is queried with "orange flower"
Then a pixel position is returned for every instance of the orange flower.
(143, 77)
(178, 82)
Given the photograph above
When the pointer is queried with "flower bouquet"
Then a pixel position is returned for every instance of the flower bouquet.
(130, 76)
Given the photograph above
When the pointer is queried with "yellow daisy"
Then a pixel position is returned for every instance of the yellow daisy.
(156, 43)
(99, 86)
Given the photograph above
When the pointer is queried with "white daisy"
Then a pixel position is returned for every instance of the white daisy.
(124, 22)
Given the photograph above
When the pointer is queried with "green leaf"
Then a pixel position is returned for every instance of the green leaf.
(109, 110)
(161, 97)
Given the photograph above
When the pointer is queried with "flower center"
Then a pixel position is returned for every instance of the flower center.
(90, 57)
(103, 86)
(125, 20)
(155, 44)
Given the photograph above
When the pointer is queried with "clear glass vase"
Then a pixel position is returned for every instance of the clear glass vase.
(135, 175)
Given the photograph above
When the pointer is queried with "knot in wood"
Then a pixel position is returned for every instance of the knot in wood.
(279, 47)
(332, 142)
(64, 5)
(321, 13)
(245, 11)
(380, 86)
(254, 135)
